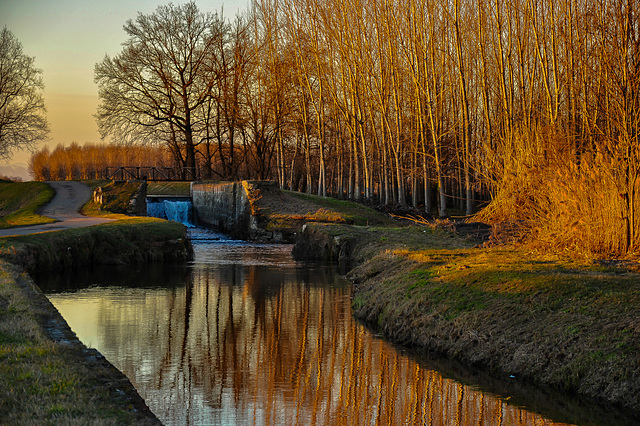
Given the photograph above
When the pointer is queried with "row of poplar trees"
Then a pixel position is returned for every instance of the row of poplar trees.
(423, 102)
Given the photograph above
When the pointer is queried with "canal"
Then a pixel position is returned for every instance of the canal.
(244, 335)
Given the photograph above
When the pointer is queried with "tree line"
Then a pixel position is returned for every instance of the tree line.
(103, 160)
(417, 102)
(92, 161)
(536, 100)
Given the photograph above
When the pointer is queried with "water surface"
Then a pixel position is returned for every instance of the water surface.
(245, 335)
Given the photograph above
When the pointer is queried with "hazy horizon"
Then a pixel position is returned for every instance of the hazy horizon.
(67, 38)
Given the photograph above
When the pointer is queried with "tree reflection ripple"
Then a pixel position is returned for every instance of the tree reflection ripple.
(247, 336)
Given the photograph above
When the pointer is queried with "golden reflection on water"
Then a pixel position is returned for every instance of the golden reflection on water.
(253, 345)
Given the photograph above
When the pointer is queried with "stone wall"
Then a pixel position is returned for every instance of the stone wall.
(224, 206)
(138, 203)
(231, 208)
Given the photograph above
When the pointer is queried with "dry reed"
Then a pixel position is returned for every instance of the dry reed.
(550, 195)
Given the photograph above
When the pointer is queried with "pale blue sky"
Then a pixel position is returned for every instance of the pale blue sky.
(67, 38)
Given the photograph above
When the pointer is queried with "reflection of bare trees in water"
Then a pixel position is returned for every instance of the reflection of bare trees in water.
(259, 345)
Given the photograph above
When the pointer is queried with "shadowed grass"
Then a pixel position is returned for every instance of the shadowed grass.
(131, 240)
(556, 321)
(43, 382)
(117, 194)
(182, 189)
(20, 201)
(361, 243)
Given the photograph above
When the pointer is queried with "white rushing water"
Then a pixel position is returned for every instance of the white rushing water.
(178, 211)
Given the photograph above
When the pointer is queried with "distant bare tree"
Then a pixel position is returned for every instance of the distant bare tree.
(23, 120)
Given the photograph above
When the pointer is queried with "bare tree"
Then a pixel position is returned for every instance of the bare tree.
(23, 120)
(160, 82)
(223, 114)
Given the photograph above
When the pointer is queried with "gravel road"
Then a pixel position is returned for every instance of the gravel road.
(64, 207)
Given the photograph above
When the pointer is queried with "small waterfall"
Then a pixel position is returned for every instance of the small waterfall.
(178, 211)
(156, 209)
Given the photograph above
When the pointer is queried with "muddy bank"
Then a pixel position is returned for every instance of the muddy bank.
(560, 323)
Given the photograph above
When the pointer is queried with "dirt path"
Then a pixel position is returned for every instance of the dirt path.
(65, 207)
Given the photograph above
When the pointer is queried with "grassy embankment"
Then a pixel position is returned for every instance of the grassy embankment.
(20, 201)
(46, 382)
(567, 323)
(48, 376)
(286, 211)
(181, 189)
(130, 240)
(127, 240)
(556, 321)
(117, 196)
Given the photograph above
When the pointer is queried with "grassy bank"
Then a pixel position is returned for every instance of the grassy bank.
(54, 380)
(555, 321)
(286, 212)
(116, 198)
(176, 189)
(20, 201)
(357, 244)
(125, 241)
(47, 375)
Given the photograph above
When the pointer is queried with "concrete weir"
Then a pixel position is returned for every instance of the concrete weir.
(230, 207)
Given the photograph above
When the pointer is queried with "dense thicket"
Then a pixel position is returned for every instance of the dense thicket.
(434, 103)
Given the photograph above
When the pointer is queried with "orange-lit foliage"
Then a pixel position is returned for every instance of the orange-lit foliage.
(537, 101)
(432, 103)
(90, 161)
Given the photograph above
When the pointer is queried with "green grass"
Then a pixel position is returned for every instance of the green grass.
(42, 382)
(169, 188)
(350, 212)
(365, 242)
(553, 320)
(20, 201)
(146, 227)
(118, 194)
(468, 278)
(285, 212)
(131, 240)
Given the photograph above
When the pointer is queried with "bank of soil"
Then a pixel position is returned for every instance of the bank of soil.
(568, 324)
